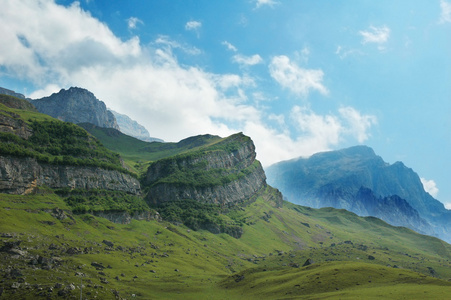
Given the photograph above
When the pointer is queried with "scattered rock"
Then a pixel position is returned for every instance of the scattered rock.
(308, 262)
(59, 214)
(98, 266)
(108, 243)
(370, 257)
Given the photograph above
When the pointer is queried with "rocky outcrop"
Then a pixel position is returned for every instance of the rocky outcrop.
(76, 105)
(11, 123)
(23, 175)
(225, 173)
(123, 217)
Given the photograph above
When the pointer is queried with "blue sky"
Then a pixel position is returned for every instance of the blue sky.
(297, 76)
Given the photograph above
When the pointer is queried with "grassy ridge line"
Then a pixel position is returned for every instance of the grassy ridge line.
(137, 153)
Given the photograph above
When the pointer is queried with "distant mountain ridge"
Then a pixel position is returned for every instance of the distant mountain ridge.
(336, 178)
(132, 128)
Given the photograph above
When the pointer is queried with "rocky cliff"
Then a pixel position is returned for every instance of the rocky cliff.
(224, 173)
(76, 105)
(336, 179)
(24, 175)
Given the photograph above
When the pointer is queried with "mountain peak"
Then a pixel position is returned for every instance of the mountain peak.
(76, 105)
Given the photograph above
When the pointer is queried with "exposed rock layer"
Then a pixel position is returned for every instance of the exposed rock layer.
(23, 175)
(234, 159)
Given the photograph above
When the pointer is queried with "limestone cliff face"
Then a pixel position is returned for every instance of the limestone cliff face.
(225, 173)
(76, 105)
(23, 175)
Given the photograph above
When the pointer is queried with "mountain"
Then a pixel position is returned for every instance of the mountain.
(4, 91)
(203, 224)
(336, 178)
(76, 105)
(132, 128)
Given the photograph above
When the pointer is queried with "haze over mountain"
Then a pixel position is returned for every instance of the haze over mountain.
(358, 180)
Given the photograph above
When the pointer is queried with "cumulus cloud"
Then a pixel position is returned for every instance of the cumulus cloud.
(430, 186)
(247, 60)
(376, 35)
(133, 22)
(358, 124)
(55, 47)
(298, 80)
(445, 16)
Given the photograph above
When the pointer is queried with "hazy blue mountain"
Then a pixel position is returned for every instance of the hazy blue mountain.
(336, 178)
(132, 128)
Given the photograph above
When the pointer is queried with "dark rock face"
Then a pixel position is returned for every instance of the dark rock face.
(238, 163)
(76, 105)
(23, 175)
(358, 180)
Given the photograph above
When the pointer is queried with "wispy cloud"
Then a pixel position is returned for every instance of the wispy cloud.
(376, 35)
(193, 25)
(247, 60)
(299, 80)
(260, 3)
(166, 41)
(445, 16)
(229, 46)
(133, 22)
(358, 125)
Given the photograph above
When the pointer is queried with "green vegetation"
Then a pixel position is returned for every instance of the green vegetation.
(161, 260)
(81, 201)
(56, 142)
(197, 215)
(137, 154)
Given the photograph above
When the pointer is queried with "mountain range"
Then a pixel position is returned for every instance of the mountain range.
(358, 180)
(88, 211)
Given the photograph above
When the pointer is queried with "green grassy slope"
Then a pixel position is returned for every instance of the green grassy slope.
(159, 260)
(137, 153)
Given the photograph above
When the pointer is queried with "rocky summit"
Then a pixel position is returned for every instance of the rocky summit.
(76, 105)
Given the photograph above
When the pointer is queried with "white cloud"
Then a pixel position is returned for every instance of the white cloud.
(58, 47)
(445, 16)
(247, 60)
(260, 3)
(230, 46)
(376, 35)
(448, 205)
(300, 81)
(358, 125)
(430, 186)
(171, 44)
(193, 25)
(133, 22)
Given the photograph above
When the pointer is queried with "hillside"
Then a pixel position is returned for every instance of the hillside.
(201, 222)
(336, 178)
(49, 252)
